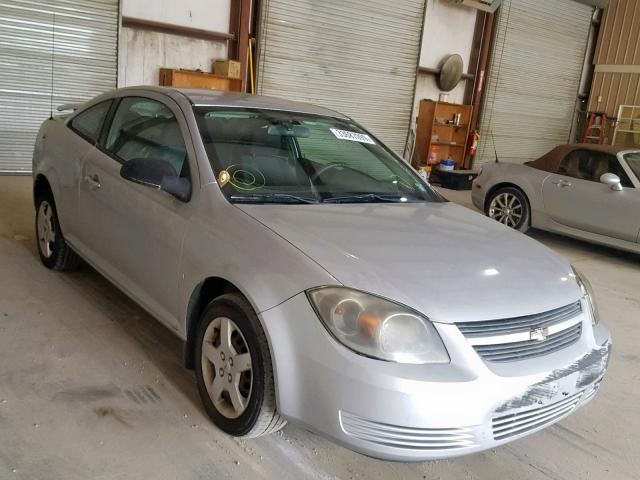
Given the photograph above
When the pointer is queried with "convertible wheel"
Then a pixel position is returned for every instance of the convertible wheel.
(52, 247)
(509, 206)
(234, 370)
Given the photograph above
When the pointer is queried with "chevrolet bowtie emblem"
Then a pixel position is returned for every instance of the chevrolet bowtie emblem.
(539, 334)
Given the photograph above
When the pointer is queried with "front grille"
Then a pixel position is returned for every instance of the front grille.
(508, 426)
(406, 437)
(519, 324)
(509, 352)
(521, 338)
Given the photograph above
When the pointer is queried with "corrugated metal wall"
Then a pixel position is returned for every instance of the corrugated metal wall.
(358, 57)
(533, 80)
(616, 80)
(84, 62)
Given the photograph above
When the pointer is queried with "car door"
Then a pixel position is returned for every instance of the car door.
(77, 143)
(575, 197)
(630, 163)
(136, 232)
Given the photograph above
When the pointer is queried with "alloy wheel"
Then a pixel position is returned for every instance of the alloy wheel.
(506, 208)
(46, 229)
(226, 367)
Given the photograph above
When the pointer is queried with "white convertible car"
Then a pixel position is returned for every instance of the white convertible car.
(585, 191)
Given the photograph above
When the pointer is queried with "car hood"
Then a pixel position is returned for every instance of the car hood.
(441, 259)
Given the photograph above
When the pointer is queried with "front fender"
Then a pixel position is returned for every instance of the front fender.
(226, 243)
(526, 178)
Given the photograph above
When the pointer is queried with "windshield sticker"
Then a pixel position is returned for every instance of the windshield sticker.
(352, 136)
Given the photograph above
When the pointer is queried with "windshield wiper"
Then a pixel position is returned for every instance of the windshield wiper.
(271, 198)
(366, 198)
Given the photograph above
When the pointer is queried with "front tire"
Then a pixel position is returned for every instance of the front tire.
(234, 370)
(52, 247)
(509, 206)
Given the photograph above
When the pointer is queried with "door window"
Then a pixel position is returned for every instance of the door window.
(89, 122)
(145, 128)
(633, 160)
(591, 165)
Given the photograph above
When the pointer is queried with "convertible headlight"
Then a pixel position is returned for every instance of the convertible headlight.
(587, 293)
(376, 327)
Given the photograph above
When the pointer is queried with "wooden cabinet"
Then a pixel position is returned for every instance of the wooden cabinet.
(437, 132)
(170, 77)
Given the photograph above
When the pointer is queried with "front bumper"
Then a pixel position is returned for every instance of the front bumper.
(422, 412)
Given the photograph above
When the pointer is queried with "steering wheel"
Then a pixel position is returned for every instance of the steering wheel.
(323, 170)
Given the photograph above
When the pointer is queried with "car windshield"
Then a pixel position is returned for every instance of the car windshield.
(265, 156)
(633, 160)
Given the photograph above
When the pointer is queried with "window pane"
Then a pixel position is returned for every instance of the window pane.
(611, 164)
(321, 147)
(89, 123)
(633, 159)
(591, 165)
(270, 155)
(144, 128)
(575, 164)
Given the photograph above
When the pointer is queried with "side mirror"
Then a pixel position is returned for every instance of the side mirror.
(612, 180)
(158, 174)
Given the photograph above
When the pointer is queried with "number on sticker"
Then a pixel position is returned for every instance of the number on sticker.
(352, 136)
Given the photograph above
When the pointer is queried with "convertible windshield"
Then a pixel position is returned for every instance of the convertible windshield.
(633, 160)
(265, 156)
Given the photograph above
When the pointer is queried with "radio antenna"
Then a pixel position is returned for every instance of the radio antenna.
(53, 49)
(495, 150)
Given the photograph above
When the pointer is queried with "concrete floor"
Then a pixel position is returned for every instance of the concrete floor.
(92, 387)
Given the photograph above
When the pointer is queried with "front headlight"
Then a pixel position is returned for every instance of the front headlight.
(376, 327)
(587, 293)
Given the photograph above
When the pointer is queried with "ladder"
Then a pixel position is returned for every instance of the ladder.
(596, 128)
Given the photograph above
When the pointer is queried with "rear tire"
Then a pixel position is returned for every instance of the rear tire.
(52, 247)
(509, 206)
(235, 377)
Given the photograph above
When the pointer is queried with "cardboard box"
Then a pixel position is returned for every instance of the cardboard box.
(227, 68)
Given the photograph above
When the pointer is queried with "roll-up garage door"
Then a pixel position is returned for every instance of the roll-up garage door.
(42, 65)
(534, 76)
(358, 57)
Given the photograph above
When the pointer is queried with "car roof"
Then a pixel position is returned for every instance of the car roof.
(614, 150)
(550, 161)
(221, 98)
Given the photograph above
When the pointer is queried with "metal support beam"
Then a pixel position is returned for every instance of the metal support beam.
(161, 27)
(243, 40)
(594, 3)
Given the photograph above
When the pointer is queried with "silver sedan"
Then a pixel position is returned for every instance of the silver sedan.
(585, 191)
(315, 277)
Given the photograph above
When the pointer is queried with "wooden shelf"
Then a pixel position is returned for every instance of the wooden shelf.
(449, 125)
(430, 115)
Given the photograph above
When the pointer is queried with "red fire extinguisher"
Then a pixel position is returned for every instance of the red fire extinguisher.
(473, 144)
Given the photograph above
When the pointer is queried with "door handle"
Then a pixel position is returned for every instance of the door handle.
(93, 181)
(562, 183)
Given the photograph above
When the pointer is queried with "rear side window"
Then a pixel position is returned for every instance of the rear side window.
(89, 123)
(576, 164)
(591, 165)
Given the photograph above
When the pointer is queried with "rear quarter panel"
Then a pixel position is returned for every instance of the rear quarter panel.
(58, 156)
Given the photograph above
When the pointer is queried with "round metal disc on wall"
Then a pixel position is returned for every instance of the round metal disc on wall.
(450, 73)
